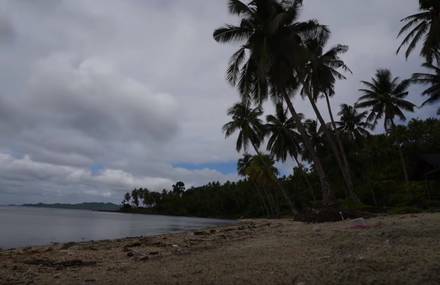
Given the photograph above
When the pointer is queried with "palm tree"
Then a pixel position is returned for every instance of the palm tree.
(266, 62)
(319, 77)
(284, 140)
(424, 25)
(135, 197)
(246, 121)
(384, 97)
(315, 133)
(126, 201)
(262, 172)
(433, 80)
(243, 165)
(352, 123)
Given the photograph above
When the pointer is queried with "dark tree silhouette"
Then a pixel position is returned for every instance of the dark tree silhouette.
(425, 26)
(384, 98)
(352, 123)
(267, 62)
(432, 79)
(319, 76)
(284, 140)
(246, 121)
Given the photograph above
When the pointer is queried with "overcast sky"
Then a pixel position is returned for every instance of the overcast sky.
(98, 97)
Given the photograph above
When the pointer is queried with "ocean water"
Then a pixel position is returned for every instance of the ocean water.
(22, 226)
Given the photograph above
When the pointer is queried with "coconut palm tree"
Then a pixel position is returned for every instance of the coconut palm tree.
(266, 62)
(284, 139)
(433, 79)
(243, 165)
(315, 133)
(384, 97)
(423, 25)
(246, 121)
(352, 123)
(262, 173)
(319, 76)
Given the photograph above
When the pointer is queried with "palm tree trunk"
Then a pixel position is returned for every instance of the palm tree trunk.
(403, 163)
(263, 201)
(351, 194)
(333, 146)
(328, 196)
(402, 158)
(272, 206)
(306, 179)
(279, 185)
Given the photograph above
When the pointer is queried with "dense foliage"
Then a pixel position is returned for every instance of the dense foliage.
(377, 169)
(340, 164)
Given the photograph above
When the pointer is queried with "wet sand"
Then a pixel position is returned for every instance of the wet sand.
(402, 249)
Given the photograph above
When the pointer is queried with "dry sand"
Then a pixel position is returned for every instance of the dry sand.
(391, 250)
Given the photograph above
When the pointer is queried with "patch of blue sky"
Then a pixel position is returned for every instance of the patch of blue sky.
(96, 168)
(226, 168)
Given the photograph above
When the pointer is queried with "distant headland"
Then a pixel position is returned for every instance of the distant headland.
(94, 206)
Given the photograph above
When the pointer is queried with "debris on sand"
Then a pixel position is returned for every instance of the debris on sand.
(60, 264)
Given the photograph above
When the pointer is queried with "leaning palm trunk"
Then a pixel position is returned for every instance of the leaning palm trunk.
(345, 176)
(268, 200)
(279, 185)
(403, 163)
(273, 204)
(306, 179)
(402, 158)
(263, 201)
(328, 197)
(351, 193)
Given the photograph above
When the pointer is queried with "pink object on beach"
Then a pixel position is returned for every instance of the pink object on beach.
(361, 227)
(359, 223)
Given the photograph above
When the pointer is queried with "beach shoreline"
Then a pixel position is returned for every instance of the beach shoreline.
(387, 249)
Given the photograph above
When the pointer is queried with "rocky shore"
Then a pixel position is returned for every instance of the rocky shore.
(401, 249)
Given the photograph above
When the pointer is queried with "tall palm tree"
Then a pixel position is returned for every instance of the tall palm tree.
(352, 123)
(315, 133)
(262, 172)
(243, 165)
(319, 76)
(433, 79)
(284, 140)
(423, 25)
(385, 96)
(246, 121)
(266, 62)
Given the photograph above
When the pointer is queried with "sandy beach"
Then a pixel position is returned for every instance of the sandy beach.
(403, 249)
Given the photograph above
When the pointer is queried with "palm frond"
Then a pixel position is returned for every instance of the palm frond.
(230, 33)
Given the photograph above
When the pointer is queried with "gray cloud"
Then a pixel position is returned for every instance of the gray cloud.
(137, 86)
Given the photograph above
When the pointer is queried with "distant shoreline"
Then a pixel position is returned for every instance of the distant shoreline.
(139, 211)
(93, 206)
(114, 208)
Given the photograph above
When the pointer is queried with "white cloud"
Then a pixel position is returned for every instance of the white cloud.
(137, 86)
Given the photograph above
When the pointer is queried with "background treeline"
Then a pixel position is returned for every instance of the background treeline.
(281, 59)
(377, 167)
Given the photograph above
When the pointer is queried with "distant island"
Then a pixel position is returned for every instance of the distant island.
(81, 206)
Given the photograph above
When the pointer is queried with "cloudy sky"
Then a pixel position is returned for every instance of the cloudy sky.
(98, 97)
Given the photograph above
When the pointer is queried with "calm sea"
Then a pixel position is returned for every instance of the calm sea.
(21, 226)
